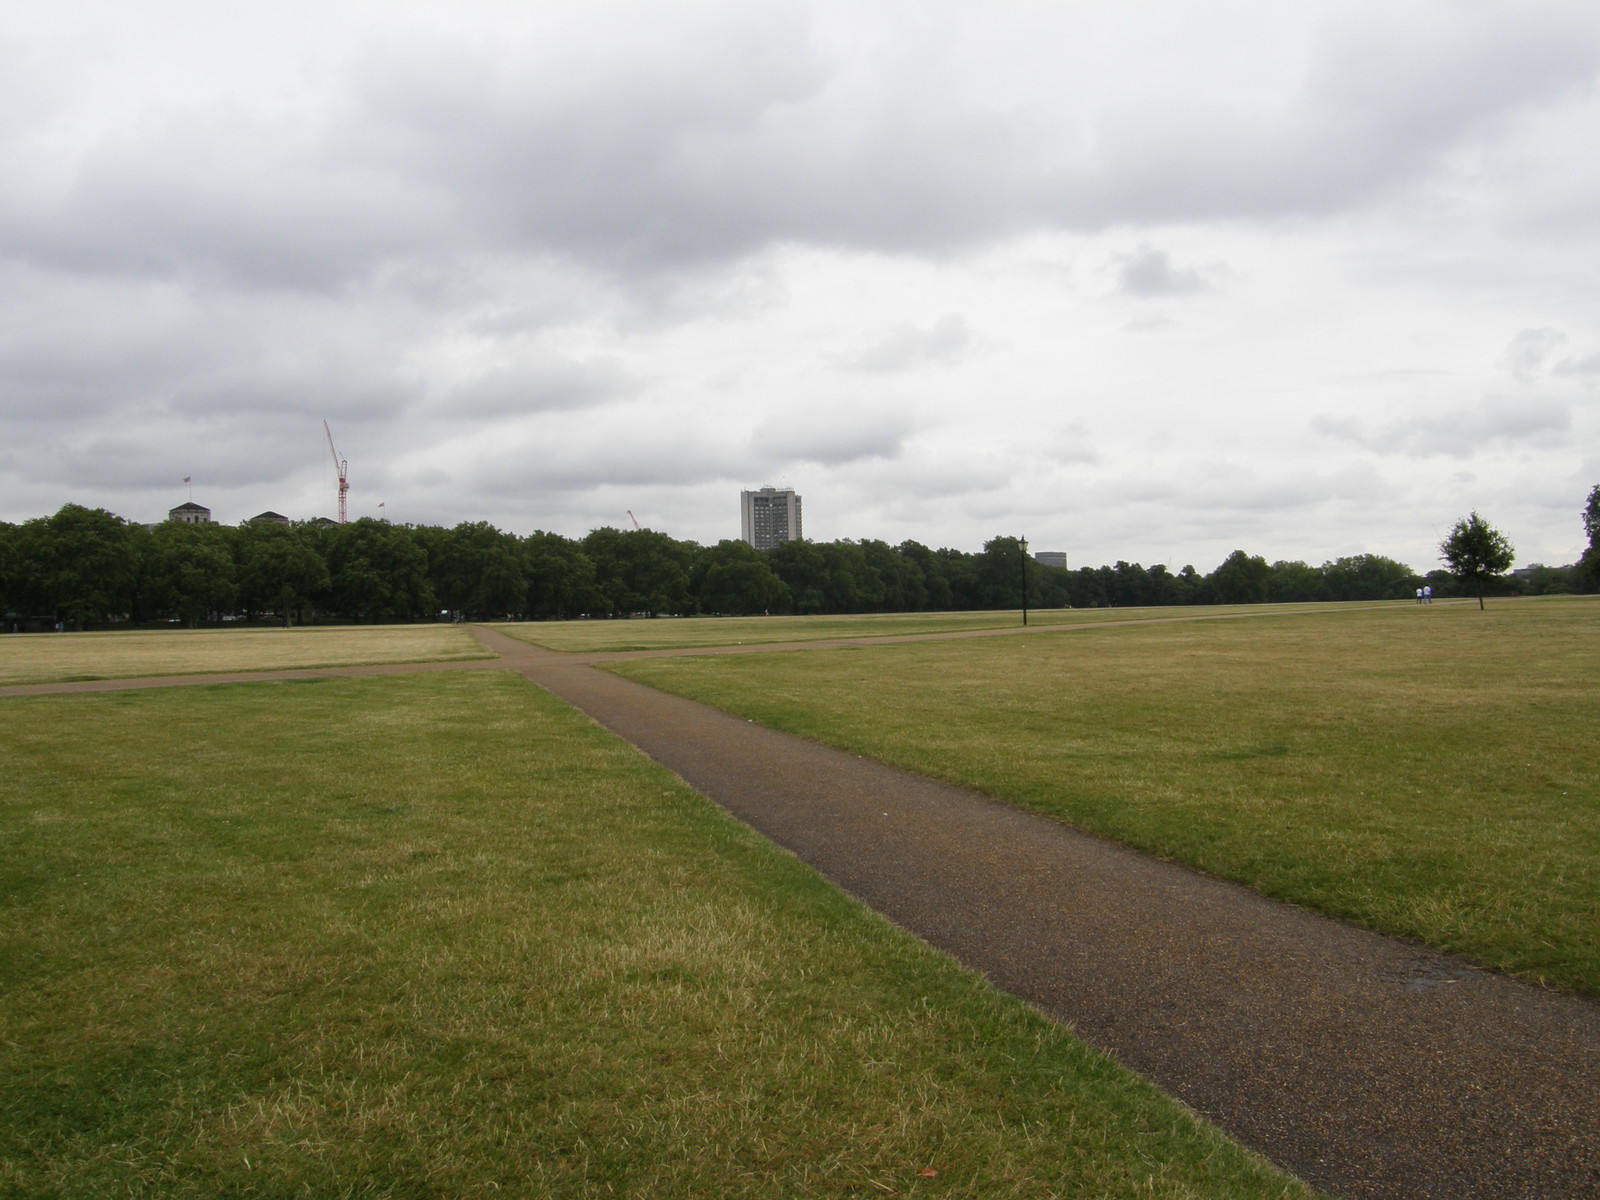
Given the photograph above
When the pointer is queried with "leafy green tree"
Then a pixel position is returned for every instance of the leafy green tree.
(1441, 581)
(1589, 564)
(78, 566)
(188, 571)
(1551, 581)
(1088, 588)
(1000, 571)
(1240, 579)
(8, 570)
(904, 587)
(377, 571)
(1369, 577)
(734, 577)
(561, 578)
(1477, 553)
(1192, 586)
(960, 571)
(478, 570)
(1130, 586)
(800, 566)
(641, 570)
(850, 584)
(936, 592)
(1168, 587)
(1049, 587)
(280, 568)
(1294, 583)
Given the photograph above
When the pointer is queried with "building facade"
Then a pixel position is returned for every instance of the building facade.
(190, 513)
(1051, 558)
(769, 517)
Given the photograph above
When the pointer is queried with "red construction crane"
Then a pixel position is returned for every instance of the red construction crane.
(633, 518)
(343, 468)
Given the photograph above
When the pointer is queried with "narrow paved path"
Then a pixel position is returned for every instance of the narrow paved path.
(1368, 1066)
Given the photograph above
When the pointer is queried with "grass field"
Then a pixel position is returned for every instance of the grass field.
(63, 657)
(670, 633)
(437, 935)
(1432, 772)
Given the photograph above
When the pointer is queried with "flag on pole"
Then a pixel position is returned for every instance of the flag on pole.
(188, 478)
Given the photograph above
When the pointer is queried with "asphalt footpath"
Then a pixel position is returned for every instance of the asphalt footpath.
(1368, 1066)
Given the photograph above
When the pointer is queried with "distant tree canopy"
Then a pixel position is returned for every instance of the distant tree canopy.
(89, 567)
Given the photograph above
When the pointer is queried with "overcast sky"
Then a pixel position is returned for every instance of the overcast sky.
(1137, 280)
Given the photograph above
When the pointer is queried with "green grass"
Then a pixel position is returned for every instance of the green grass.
(437, 935)
(668, 633)
(65, 657)
(1430, 772)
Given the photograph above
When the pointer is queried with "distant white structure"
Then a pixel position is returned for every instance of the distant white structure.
(1051, 558)
(190, 513)
(769, 517)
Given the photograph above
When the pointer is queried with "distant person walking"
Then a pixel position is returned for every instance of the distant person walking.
(1419, 595)
(1427, 594)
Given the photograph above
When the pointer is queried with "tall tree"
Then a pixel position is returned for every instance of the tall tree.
(640, 570)
(1589, 564)
(1001, 569)
(936, 593)
(799, 564)
(478, 570)
(1241, 579)
(903, 586)
(188, 570)
(378, 571)
(9, 590)
(1131, 586)
(1476, 553)
(850, 584)
(280, 569)
(561, 580)
(734, 577)
(76, 566)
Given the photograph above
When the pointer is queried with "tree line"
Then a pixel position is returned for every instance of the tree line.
(87, 567)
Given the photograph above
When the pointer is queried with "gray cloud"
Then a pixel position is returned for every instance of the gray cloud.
(908, 347)
(546, 383)
(662, 137)
(1530, 351)
(1584, 368)
(831, 434)
(637, 453)
(1149, 272)
(1460, 432)
(1071, 444)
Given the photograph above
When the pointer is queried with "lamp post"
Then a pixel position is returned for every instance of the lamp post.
(1023, 543)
